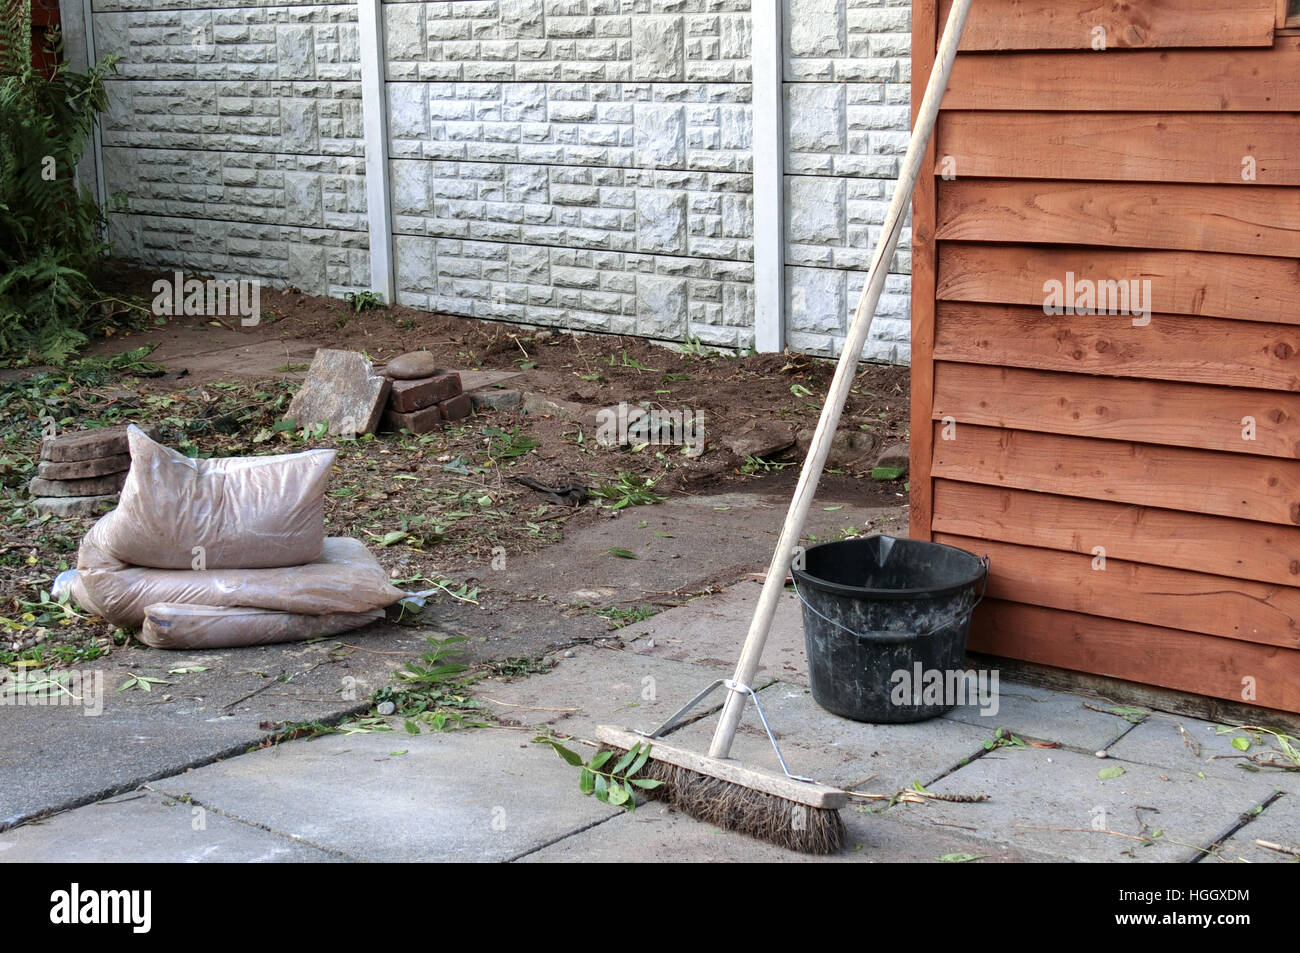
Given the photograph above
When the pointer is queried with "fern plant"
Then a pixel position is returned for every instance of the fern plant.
(51, 233)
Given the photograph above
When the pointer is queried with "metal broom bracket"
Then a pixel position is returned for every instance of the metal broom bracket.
(741, 689)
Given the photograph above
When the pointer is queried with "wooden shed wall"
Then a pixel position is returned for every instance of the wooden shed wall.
(1039, 438)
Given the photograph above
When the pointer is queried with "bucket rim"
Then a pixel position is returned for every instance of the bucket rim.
(803, 577)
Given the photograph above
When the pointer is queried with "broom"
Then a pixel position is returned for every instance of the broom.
(789, 811)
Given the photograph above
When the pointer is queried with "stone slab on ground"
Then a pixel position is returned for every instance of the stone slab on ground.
(1278, 823)
(761, 439)
(876, 759)
(1051, 788)
(495, 399)
(1190, 745)
(343, 389)
(81, 469)
(606, 686)
(74, 505)
(146, 827)
(472, 380)
(469, 795)
(71, 758)
(710, 630)
(655, 834)
(91, 486)
(90, 444)
(1042, 714)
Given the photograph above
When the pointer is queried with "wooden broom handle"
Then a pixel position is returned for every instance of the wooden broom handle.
(843, 380)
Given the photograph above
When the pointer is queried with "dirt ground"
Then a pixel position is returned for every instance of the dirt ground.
(435, 506)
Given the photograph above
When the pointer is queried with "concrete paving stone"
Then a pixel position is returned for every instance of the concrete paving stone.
(147, 827)
(90, 486)
(1042, 714)
(656, 834)
(710, 630)
(474, 379)
(74, 505)
(1197, 747)
(1279, 823)
(71, 755)
(81, 469)
(1053, 788)
(343, 389)
(876, 759)
(90, 444)
(495, 399)
(608, 686)
(469, 795)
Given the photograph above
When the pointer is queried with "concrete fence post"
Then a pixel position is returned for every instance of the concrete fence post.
(374, 106)
(769, 184)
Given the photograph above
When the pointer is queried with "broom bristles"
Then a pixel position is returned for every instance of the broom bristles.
(734, 807)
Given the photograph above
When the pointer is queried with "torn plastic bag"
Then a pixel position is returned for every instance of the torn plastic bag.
(346, 578)
(168, 625)
(223, 513)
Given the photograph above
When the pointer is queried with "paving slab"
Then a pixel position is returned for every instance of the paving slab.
(1190, 745)
(1278, 823)
(606, 686)
(147, 827)
(655, 834)
(57, 757)
(472, 795)
(1045, 715)
(1054, 788)
(878, 759)
(710, 631)
(706, 540)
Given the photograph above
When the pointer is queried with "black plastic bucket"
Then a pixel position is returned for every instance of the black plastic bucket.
(878, 606)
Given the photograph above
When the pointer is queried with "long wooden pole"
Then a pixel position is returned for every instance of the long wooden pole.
(843, 380)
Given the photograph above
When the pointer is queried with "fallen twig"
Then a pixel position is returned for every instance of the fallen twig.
(1088, 830)
(1269, 845)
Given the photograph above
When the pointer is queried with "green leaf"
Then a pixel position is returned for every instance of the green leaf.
(884, 474)
(571, 757)
(617, 795)
(830, 509)
(395, 754)
(1113, 771)
(1241, 744)
(396, 536)
(586, 781)
(620, 552)
(599, 761)
(602, 788)
(639, 763)
(647, 784)
(918, 786)
(664, 535)
(412, 728)
(627, 759)
(960, 858)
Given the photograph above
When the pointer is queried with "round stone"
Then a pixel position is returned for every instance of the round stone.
(1102, 754)
(386, 708)
(412, 366)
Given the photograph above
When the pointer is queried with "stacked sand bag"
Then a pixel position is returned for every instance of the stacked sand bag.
(423, 396)
(226, 552)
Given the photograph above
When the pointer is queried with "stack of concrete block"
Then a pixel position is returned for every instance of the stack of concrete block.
(81, 470)
(423, 396)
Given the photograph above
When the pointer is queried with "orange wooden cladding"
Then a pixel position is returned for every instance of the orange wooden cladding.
(1245, 287)
(1171, 347)
(1248, 220)
(1153, 655)
(1198, 481)
(1069, 24)
(1196, 602)
(1173, 169)
(1134, 147)
(1192, 541)
(925, 28)
(1235, 420)
(1208, 81)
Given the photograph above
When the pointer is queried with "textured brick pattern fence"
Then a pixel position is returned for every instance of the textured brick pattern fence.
(575, 163)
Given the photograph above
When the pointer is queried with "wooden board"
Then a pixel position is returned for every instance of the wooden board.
(1142, 80)
(1177, 415)
(1069, 24)
(925, 30)
(1258, 612)
(1208, 544)
(1151, 654)
(1244, 287)
(1195, 481)
(1171, 347)
(1248, 220)
(1224, 148)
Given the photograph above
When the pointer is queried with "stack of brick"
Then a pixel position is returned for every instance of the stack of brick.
(423, 396)
(80, 471)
